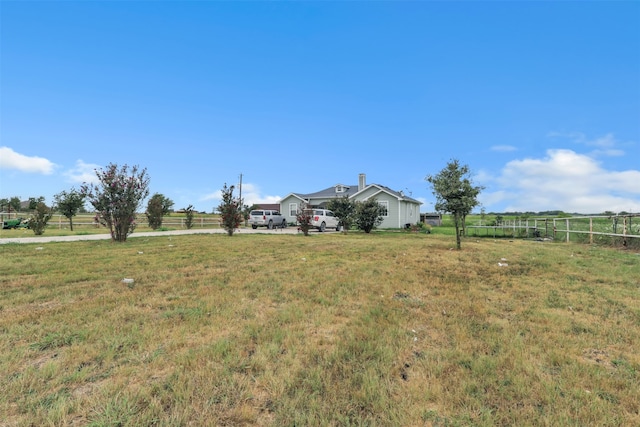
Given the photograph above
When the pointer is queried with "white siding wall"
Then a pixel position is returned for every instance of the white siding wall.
(399, 213)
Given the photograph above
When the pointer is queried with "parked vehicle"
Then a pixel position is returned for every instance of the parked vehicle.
(323, 219)
(266, 218)
(15, 223)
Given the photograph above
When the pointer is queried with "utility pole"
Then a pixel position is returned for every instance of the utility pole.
(240, 188)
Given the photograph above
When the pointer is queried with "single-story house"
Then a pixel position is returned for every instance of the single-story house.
(399, 209)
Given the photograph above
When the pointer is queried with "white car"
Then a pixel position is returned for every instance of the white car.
(323, 219)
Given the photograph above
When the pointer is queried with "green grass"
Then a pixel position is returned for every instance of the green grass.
(387, 329)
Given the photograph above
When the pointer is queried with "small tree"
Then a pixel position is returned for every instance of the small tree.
(117, 198)
(455, 194)
(39, 218)
(344, 209)
(15, 203)
(188, 212)
(33, 202)
(69, 203)
(230, 210)
(304, 216)
(157, 208)
(246, 211)
(368, 214)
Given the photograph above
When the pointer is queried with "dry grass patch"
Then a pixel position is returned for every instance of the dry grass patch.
(381, 329)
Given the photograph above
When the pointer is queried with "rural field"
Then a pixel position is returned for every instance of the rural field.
(386, 329)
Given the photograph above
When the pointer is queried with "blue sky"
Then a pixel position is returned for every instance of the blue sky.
(540, 99)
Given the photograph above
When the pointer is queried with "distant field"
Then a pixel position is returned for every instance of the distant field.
(387, 329)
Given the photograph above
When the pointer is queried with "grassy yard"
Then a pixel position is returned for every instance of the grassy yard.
(387, 329)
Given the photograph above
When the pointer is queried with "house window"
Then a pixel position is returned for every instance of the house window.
(384, 208)
(293, 209)
(339, 189)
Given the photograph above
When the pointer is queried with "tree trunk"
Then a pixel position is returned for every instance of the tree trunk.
(456, 218)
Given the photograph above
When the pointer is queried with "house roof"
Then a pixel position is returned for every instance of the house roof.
(352, 190)
(269, 206)
(349, 190)
(399, 194)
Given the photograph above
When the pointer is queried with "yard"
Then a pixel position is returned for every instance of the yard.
(387, 329)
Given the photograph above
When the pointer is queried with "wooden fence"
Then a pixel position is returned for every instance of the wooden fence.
(61, 221)
(584, 229)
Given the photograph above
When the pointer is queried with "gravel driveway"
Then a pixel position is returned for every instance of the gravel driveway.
(45, 239)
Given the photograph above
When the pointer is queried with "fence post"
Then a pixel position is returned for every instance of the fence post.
(590, 230)
(567, 220)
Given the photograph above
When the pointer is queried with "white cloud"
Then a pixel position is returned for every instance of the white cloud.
(83, 172)
(9, 159)
(422, 200)
(503, 148)
(568, 181)
(252, 196)
(606, 141)
(605, 145)
(610, 152)
(250, 193)
(216, 196)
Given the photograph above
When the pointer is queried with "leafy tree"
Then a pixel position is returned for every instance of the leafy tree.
(304, 216)
(14, 203)
(455, 194)
(39, 218)
(368, 214)
(230, 210)
(4, 204)
(33, 202)
(69, 204)
(188, 212)
(157, 208)
(117, 197)
(344, 209)
(246, 211)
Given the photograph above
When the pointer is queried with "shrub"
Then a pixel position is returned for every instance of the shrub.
(117, 198)
(39, 219)
(188, 211)
(157, 208)
(368, 215)
(230, 210)
(304, 217)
